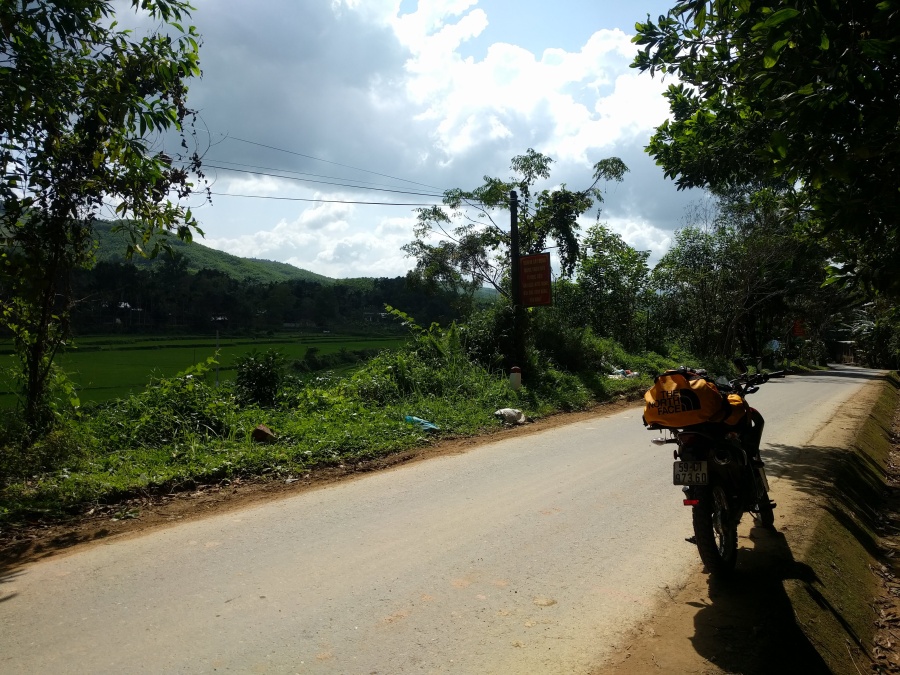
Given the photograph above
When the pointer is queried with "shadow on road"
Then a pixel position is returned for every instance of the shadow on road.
(7, 577)
(16, 555)
(749, 626)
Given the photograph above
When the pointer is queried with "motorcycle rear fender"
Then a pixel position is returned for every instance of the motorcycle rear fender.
(695, 445)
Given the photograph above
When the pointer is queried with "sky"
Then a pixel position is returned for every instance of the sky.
(415, 96)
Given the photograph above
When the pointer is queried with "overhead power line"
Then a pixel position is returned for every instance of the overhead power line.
(326, 201)
(326, 161)
(322, 182)
(291, 171)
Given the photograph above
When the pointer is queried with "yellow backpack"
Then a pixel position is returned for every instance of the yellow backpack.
(683, 397)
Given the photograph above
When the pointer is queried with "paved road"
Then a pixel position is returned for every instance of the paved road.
(528, 555)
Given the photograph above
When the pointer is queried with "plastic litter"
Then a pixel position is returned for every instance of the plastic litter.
(424, 425)
(622, 373)
(511, 416)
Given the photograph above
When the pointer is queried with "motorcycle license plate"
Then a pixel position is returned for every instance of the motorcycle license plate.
(690, 473)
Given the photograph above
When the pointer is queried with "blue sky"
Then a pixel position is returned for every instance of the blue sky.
(399, 94)
(536, 25)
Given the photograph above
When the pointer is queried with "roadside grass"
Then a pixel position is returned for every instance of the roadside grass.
(181, 431)
(834, 607)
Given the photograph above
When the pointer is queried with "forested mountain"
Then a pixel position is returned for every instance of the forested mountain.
(171, 298)
(111, 248)
(197, 288)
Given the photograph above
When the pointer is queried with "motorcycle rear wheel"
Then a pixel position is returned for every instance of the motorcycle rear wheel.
(715, 530)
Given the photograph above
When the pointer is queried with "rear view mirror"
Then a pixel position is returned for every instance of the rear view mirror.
(740, 365)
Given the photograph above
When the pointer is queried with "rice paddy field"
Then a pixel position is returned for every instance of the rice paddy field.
(108, 367)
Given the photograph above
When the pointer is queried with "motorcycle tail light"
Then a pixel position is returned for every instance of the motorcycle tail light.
(691, 502)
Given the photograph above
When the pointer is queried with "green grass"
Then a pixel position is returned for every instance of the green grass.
(108, 367)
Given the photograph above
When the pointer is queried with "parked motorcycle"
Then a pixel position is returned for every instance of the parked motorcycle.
(717, 460)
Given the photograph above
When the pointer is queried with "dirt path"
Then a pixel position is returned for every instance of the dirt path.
(746, 625)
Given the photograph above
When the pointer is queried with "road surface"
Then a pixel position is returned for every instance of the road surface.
(533, 554)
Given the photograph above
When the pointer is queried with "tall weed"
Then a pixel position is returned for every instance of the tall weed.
(169, 411)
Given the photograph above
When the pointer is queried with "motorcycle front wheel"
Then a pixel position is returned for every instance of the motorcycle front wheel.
(715, 530)
(765, 513)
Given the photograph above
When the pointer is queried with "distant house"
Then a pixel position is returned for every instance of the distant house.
(848, 351)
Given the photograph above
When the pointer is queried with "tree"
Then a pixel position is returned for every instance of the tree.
(464, 257)
(84, 106)
(737, 278)
(611, 278)
(801, 95)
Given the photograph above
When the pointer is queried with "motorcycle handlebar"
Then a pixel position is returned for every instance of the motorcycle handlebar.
(756, 379)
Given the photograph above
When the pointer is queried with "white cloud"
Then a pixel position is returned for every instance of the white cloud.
(642, 236)
(321, 239)
(581, 100)
(419, 95)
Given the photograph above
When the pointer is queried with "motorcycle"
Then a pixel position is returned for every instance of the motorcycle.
(720, 470)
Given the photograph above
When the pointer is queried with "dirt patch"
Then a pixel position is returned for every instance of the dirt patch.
(21, 544)
(751, 624)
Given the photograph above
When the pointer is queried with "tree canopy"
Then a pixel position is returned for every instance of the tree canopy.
(84, 107)
(803, 95)
(460, 246)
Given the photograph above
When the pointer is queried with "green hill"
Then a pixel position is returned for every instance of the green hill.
(111, 248)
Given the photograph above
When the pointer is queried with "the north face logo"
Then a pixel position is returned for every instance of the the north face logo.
(681, 400)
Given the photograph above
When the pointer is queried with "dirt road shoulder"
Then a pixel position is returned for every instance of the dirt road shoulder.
(815, 596)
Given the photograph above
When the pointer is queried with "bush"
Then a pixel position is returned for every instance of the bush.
(813, 353)
(572, 348)
(170, 410)
(487, 337)
(433, 364)
(259, 377)
(60, 447)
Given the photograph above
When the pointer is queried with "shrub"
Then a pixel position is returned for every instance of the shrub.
(170, 410)
(572, 348)
(62, 446)
(433, 364)
(258, 377)
(487, 337)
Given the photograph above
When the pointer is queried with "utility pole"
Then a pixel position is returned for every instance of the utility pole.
(514, 249)
(518, 315)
